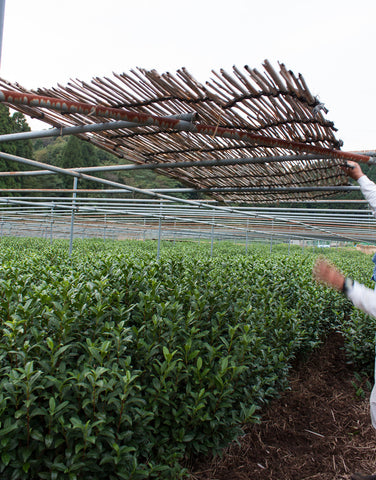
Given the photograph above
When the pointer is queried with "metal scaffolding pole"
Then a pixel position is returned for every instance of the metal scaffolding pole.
(96, 127)
(131, 189)
(159, 237)
(75, 180)
(334, 188)
(51, 222)
(330, 188)
(65, 106)
(171, 165)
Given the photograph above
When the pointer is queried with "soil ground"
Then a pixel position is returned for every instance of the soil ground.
(319, 429)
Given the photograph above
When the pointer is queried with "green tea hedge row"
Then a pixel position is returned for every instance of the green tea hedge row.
(115, 365)
(357, 327)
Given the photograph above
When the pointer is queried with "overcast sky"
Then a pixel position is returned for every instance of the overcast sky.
(330, 42)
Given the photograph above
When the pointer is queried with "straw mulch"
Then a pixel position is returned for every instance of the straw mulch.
(319, 429)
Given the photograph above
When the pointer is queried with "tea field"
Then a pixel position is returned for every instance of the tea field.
(116, 365)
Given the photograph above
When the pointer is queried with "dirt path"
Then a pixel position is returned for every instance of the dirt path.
(318, 430)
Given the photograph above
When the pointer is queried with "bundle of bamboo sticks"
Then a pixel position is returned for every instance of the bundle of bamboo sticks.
(271, 104)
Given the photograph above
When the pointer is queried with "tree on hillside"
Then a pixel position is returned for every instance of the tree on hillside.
(22, 148)
(69, 152)
(15, 123)
(77, 153)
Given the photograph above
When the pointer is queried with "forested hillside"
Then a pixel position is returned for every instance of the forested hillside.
(63, 152)
(13, 124)
(68, 152)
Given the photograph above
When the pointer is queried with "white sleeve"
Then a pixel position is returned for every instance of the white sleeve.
(363, 298)
(368, 189)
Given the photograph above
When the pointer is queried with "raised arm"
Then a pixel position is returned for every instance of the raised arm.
(360, 295)
(367, 186)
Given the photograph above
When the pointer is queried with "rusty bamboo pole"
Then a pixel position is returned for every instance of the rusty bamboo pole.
(16, 98)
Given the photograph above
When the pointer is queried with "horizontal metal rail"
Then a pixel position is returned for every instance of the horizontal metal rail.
(330, 188)
(93, 127)
(172, 165)
(266, 189)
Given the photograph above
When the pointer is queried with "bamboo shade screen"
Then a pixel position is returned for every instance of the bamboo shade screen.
(273, 104)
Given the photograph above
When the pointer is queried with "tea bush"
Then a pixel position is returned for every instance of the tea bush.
(116, 365)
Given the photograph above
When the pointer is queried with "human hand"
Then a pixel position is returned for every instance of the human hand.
(353, 170)
(324, 272)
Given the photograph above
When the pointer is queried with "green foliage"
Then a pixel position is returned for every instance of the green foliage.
(116, 365)
(23, 148)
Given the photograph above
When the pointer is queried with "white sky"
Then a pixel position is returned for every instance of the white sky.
(330, 42)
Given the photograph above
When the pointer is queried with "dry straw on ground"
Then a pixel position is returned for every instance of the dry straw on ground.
(318, 430)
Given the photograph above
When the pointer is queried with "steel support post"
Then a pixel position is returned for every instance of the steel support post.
(72, 215)
(246, 238)
(51, 222)
(212, 238)
(159, 237)
(44, 229)
(271, 236)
